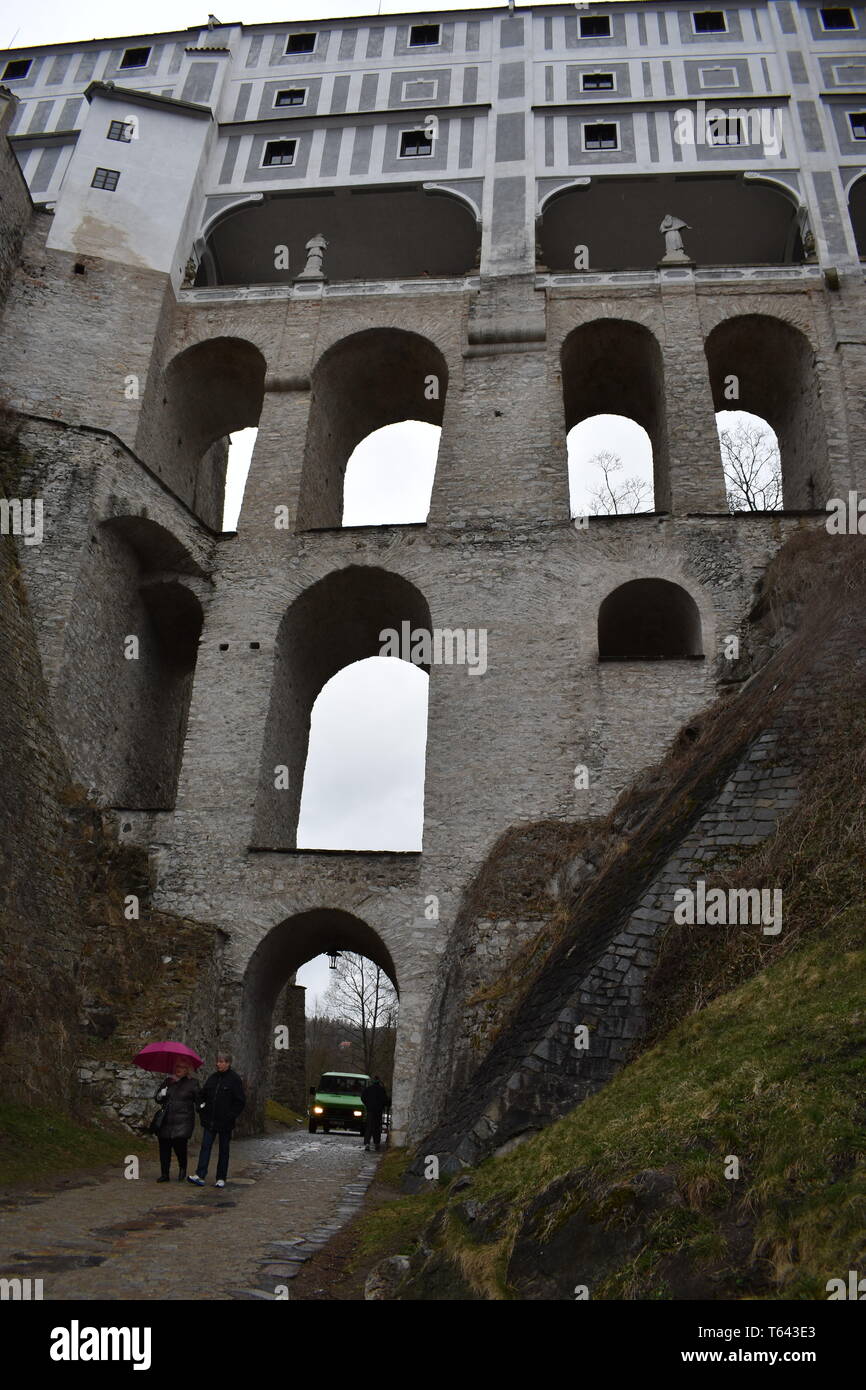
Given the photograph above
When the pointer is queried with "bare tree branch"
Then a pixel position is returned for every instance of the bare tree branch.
(752, 466)
(614, 496)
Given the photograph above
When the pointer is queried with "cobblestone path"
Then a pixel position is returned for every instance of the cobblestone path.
(116, 1238)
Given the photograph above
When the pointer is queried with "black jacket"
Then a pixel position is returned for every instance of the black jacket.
(375, 1097)
(180, 1099)
(222, 1100)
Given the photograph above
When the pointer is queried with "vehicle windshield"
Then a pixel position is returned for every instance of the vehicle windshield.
(342, 1085)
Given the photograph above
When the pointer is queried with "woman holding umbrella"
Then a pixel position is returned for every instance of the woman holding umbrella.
(177, 1096)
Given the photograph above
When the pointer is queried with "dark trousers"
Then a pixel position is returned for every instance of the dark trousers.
(165, 1148)
(207, 1138)
(373, 1127)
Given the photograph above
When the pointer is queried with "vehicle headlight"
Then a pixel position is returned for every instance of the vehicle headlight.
(358, 1113)
(318, 1110)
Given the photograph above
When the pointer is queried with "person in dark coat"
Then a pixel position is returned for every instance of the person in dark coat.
(178, 1096)
(222, 1100)
(376, 1102)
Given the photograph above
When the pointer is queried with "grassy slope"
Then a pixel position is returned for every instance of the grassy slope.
(38, 1143)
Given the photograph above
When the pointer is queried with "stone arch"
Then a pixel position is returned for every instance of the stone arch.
(127, 715)
(207, 392)
(649, 620)
(857, 212)
(614, 366)
(773, 367)
(285, 948)
(334, 623)
(377, 377)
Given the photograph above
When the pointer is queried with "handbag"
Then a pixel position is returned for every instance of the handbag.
(156, 1123)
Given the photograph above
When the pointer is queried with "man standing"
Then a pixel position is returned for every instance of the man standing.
(376, 1102)
(222, 1100)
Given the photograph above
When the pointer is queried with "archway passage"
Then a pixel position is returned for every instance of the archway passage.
(382, 376)
(649, 620)
(282, 952)
(372, 234)
(614, 367)
(129, 664)
(767, 367)
(208, 392)
(610, 467)
(730, 222)
(337, 621)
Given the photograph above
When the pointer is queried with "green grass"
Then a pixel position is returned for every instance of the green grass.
(773, 1072)
(38, 1143)
(282, 1115)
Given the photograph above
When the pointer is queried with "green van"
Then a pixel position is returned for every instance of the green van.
(336, 1102)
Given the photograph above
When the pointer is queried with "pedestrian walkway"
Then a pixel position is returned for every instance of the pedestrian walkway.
(119, 1238)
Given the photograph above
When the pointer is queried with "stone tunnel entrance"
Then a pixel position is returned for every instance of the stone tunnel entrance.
(289, 945)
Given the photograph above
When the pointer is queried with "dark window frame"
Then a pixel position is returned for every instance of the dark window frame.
(730, 122)
(105, 183)
(710, 14)
(837, 10)
(593, 29)
(856, 118)
(124, 65)
(269, 163)
(608, 86)
(116, 131)
(424, 29)
(600, 146)
(296, 43)
(421, 139)
(25, 63)
(290, 91)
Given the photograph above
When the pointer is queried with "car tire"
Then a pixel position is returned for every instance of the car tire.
(326, 1129)
(312, 1126)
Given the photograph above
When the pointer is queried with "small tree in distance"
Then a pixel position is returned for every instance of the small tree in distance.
(613, 495)
(752, 467)
(363, 998)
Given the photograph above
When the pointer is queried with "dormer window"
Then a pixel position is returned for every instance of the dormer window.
(709, 22)
(423, 35)
(16, 68)
(301, 43)
(135, 58)
(595, 26)
(837, 17)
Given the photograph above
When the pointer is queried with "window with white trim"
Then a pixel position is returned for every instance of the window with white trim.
(16, 68)
(279, 152)
(834, 17)
(595, 26)
(415, 144)
(291, 96)
(602, 135)
(301, 43)
(135, 58)
(423, 35)
(850, 74)
(726, 130)
(858, 124)
(719, 77)
(709, 22)
(597, 82)
(420, 89)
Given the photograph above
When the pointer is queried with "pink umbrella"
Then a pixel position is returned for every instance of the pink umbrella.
(164, 1056)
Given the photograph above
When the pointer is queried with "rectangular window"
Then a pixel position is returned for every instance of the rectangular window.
(16, 67)
(279, 152)
(414, 144)
(135, 58)
(119, 130)
(600, 137)
(837, 17)
(719, 77)
(301, 43)
(105, 178)
(292, 96)
(597, 82)
(423, 35)
(420, 89)
(595, 26)
(726, 130)
(709, 22)
(850, 75)
(858, 124)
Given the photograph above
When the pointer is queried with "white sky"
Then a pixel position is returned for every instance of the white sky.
(47, 21)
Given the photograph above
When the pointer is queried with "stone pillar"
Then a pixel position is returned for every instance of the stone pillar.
(695, 481)
(287, 1079)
